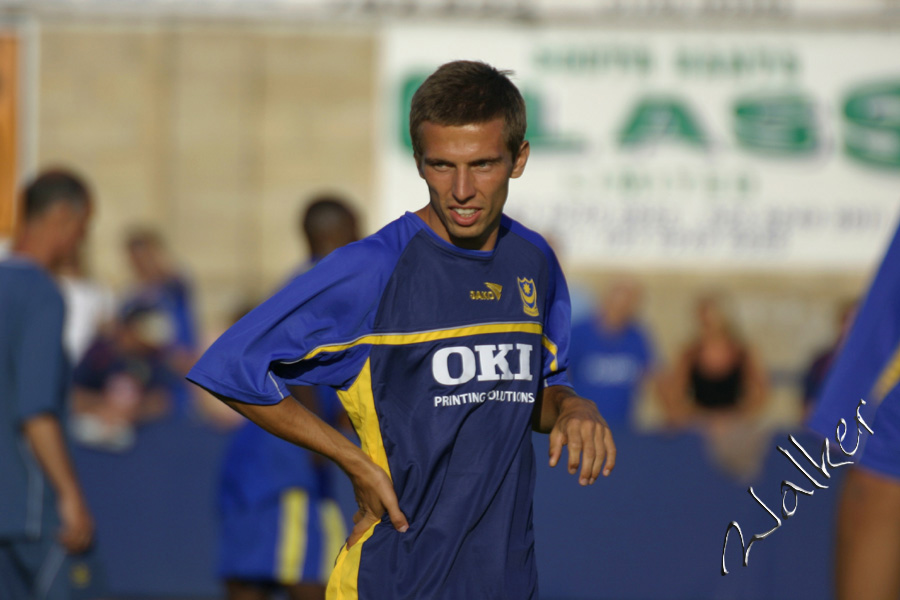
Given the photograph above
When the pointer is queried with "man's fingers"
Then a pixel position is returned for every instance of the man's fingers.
(591, 454)
(557, 441)
(360, 528)
(398, 519)
(598, 435)
(610, 446)
(388, 498)
(575, 446)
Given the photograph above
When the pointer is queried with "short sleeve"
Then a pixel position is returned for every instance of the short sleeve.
(557, 325)
(41, 366)
(311, 332)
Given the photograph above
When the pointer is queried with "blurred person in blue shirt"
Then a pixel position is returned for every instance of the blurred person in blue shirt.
(281, 525)
(161, 288)
(40, 524)
(612, 355)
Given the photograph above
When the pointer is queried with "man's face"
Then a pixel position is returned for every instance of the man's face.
(467, 169)
(70, 223)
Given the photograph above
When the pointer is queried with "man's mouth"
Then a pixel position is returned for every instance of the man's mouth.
(465, 212)
(465, 217)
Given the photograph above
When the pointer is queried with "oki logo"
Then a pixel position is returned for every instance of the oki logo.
(492, 363)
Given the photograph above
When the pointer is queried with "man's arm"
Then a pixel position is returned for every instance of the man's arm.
(575, 421)
(291, 421)
(45, 437)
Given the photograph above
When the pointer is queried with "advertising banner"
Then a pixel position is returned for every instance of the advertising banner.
(689, 148)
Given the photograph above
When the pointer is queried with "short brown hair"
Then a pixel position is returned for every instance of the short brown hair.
(464, 92)
(51, 187)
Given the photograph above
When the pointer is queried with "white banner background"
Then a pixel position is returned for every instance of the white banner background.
(666, 201)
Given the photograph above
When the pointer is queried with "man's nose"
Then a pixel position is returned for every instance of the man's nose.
(463, 186)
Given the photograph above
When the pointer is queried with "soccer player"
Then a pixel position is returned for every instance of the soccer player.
(446, 335)
(281, 525)
(39, 524)
(867, 544)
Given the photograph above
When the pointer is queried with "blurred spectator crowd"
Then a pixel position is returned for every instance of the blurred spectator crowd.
(132, 349)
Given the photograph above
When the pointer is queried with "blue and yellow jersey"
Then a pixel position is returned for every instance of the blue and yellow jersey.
(438, 354)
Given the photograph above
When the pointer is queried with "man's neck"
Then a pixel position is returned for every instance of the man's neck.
(30, 245)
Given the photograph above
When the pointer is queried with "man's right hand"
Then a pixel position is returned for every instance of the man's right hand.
(292, 421)
(375, 496)
(77, 529)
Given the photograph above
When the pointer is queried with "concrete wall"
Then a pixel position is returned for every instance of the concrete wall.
(212, 134)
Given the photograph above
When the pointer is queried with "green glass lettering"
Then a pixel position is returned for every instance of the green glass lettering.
(872, 124)
(776, 124)
(658, 119)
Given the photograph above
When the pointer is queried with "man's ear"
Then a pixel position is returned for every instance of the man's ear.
(419, 165)
(521, 159)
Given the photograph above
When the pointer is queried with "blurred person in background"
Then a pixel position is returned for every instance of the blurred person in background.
(815, 374)
(39, 524)
(611, 353)
(90, 306)
(719, 385)
(122, 381)
(281, 527)
(159, 286)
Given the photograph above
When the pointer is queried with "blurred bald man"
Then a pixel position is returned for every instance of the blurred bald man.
(39, 524)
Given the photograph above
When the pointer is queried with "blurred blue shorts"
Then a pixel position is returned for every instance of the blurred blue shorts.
(294, 539)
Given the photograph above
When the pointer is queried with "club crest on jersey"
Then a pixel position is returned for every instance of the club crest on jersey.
(529, 296)
(492, 293)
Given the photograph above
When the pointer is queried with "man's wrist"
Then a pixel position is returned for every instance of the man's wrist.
(353, 461)
(565, 397)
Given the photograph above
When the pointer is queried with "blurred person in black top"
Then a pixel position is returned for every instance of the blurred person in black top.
(719, 385)
(716, 372)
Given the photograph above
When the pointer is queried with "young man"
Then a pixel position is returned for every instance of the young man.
(34, 377)
(446, 334)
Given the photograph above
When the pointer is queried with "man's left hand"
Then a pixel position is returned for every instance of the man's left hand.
(580, 427)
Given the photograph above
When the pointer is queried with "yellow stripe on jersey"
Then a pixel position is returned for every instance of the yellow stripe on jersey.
(292, 537)
(344, 581)
(334, 534)
(359, 403)
(399, 339)
(889, 377)
(549, 345)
